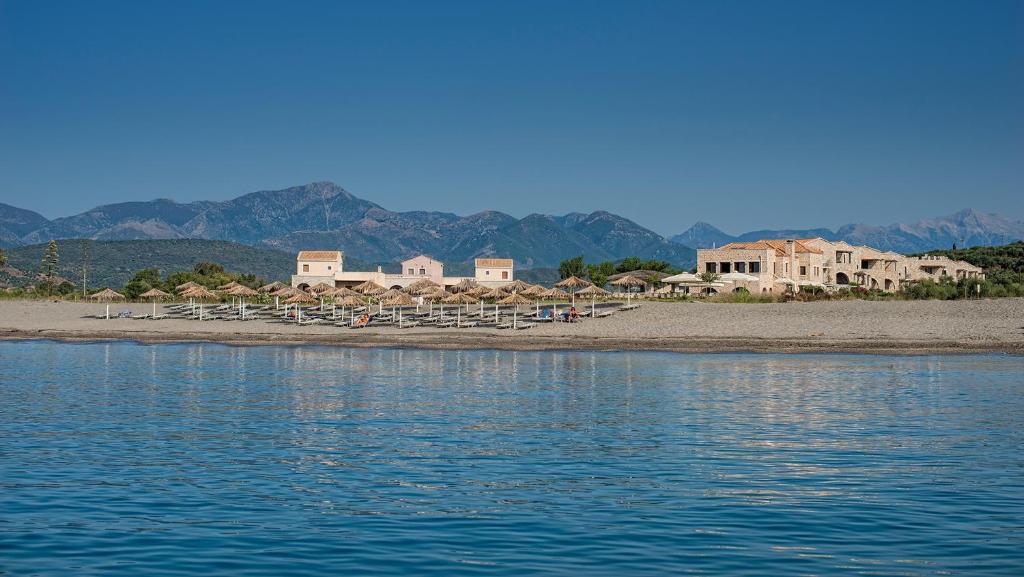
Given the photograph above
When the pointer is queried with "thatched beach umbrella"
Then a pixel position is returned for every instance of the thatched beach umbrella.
(572, 283)
(554, 295)
(107, 295)
(368, 287)
(421, 286)
(464, 285)
(629, 282)
(229, 286)
(154, 294)
(494, 294)
(352, 301)
(594, 291)
(515, 299)
(274, 286)
(438, 295)
(478, 291)
(185, 286)
(399, 300)
(301, 298)
(242, 291)
(201, 293)
(460, 299)
(344, 292)
(284, 292)
(533, 291)
(320, 288)
(516, 286)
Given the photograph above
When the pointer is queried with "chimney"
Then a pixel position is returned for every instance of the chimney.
(791, 254)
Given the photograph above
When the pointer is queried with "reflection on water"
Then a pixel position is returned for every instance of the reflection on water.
(119, 459)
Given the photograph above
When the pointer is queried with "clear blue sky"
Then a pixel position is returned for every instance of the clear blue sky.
(744, 114)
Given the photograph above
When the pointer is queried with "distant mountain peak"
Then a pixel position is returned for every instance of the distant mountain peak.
(967, 227)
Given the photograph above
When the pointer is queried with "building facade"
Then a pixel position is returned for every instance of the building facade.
(493, 272)
(327, 266)
(780, 265)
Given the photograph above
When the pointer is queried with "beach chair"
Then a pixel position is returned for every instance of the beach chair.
(142, 317)
(468, 324)
(629, 307)
(446, 323)
(408, 324)
(157, 317)
(504, 325)
(311, 321)
(522, 326)
(606, 313)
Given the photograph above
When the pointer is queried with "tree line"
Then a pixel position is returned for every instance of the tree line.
(598, 273)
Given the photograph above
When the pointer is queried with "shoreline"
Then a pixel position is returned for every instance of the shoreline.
(442, 341)
(865, 327)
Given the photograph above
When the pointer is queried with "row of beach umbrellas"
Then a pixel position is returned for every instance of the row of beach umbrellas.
(466, 292)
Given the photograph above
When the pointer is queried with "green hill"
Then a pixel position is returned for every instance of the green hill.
(1006, 258)
(112, 263)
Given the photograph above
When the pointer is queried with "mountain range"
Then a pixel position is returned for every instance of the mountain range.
(963, 229)
(323, 215)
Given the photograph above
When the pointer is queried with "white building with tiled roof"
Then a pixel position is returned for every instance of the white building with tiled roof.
(327, 266)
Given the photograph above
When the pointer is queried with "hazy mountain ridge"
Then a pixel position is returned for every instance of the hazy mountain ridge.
(324, 215)
(17, 222)
(965, 228)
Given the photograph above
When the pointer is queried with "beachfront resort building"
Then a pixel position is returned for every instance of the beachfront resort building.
(780, 265)
(327, 266)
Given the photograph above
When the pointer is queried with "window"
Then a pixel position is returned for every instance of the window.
(412, 271)
(755, 266)
(504, 275)
(423, 271)
(328, 267)
(305, 268)
(865, 264)
(741, 267)
(711, 267)
(803, 271)
(487, 272)
(726, 267)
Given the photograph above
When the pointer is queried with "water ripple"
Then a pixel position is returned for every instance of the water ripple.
(121, 459)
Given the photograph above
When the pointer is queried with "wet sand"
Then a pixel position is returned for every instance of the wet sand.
(911, 327)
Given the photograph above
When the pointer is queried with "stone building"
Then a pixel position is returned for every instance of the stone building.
(779, 265)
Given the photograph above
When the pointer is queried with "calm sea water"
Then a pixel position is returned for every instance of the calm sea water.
(122, 459)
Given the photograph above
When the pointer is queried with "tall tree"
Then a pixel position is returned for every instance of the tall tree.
(3, 258)
(50, 266)
(572, 267)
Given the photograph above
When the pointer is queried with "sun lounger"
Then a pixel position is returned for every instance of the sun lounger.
(521, 326)
(409, 324)
(468, 324)
(311, 321)
(157, 317)
(142, 317)
(506, 325)
(445, 324)
(607, 313)
(629, 307)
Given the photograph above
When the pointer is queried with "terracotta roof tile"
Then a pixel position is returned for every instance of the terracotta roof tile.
(319, 255)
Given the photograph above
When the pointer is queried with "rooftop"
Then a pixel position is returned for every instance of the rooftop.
(319, 255)
(779, 245)
(493, 262)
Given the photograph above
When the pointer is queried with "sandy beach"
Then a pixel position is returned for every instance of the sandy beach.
(912, 327)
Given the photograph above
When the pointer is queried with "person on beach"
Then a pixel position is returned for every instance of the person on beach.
(571, 316)
(363, 320)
